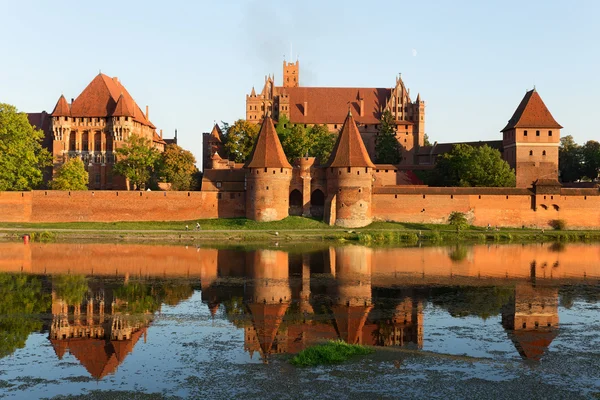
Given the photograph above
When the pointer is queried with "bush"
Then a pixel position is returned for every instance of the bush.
(558, 224)
(458, 220)
(332, 352)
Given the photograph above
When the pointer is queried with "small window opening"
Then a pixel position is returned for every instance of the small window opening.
(530, 152)
(549, 133)
(537, 133)
(524, 133)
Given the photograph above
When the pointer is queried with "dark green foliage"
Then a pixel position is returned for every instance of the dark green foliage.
(137, 161)
(332, 352)
(482, 302)
(71, 176)
(137, 298)
(178, 167)
(239, 139)
(591, 159)
(298, 141)
(22, 157)
(468, 166)
(458, 253)
(458, 220)
(21, 303)
(559, 224)
(387, 148)
(71, 288)
(321, 143)
(570, 160)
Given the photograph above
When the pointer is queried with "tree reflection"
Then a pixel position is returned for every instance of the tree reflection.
(483, 302)
(70, 288)
(21, 303)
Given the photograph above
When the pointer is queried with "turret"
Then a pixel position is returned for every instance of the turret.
(349, 180)
(291, 74)
(268, 177)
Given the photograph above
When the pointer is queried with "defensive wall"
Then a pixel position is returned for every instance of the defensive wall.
(503, 207)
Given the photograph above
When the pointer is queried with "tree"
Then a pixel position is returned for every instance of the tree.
(387, 148)
(590, 153)
(239, 139)
(22, 157)
(178, 167)
(320, 142)
(294, 141)
(137, 160)
(483, 302)
(71, 176)
(570, 160)
(458, 220)
(426, 141)
(466, 165)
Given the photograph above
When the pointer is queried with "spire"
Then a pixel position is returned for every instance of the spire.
(62, 108)
(349, 149)
(418, 98)
(532, 113)
(267, 152)
(253, 93)
(216, 133)
(121, 109)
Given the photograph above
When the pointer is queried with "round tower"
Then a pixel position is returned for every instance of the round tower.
(350, 179)
(268, 177)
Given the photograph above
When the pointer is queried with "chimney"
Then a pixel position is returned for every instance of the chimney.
(161, 133)
(147, 116)
(305, 108)
(362, 108)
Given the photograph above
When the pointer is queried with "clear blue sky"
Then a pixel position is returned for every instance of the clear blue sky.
(194, 62)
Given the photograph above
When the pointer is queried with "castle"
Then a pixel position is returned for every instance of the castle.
(341, 190)
(93, 126)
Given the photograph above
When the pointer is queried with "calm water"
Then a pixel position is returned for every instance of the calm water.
(106, 320)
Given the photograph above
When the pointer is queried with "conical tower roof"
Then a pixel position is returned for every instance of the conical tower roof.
(121, 109)
(349, 321)
(62, 108)
(266, 319)
(349, 149)
(267, 152)
(532, 113)
(532, 344)
(217, 134)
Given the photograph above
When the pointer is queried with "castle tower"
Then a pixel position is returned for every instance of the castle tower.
(61, 131)
(268, 177)
(349, 180)
(419, 129)
(213, 143)
(531, 140)
(291, 74)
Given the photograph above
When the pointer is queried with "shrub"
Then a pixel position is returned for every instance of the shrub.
(332, 352)
(458, 220)
(558, 224)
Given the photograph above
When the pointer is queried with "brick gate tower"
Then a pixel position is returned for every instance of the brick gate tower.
(268, 177)
(349, 179)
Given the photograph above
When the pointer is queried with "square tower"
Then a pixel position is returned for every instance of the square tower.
(291, 74)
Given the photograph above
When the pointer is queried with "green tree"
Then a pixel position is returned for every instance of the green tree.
(590, 153)
(137, 160)
(239, 139)
(467, 166)
(294, 142)
(137, 298)
(458, 220)
(570, 159)
(70, 288)
(426, 141)
(21, 305)
(463, 301)
(70, 176)
(387, 148)
(178, 167)
(22, 157)
(321, 143)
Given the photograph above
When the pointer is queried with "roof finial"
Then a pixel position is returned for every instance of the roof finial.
(349, 109)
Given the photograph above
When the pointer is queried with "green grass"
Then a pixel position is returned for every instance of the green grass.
(332, 352)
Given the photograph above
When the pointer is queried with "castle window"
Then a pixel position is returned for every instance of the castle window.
(549, 133)
(524, 133)
(265, 170)
(274, 172)
(126, 118)
(366, 126)
(267, 188)
(386, 171)
(537, 133)
(218, 184)
(335, 126)
(530, 152)
(348, 169)
(66, 119)
(357, 172)
(405, 126)
(97, 179)
(544, 152)
(376, 170)
(219, 196)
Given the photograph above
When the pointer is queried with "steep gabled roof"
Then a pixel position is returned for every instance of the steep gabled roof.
(266, 319)
(533, 344)
(99, 99)
(121, 109)
(62, 108)
(349, 321)
(349, 149)
(532, 113)
(217, 134)
(267, 152)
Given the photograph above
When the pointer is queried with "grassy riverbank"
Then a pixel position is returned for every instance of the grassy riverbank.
(290, 229)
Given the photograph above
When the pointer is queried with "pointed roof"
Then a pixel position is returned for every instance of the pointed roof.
(532, 344)
(62, 108)
(266, 319)
(349, 149)
(60, 347)
(418, 98)
(267, 152)
(216, 156)
(349, 321)
(217, 134)
(121, 109)
(100, 97)
(532, 113)
(253, 93)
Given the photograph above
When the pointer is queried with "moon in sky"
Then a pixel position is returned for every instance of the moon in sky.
(414, 52)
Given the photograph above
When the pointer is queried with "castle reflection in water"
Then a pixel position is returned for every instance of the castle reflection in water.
(105, 296)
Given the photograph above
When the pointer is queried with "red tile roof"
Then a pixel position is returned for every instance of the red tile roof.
(217, 134)
(121, 109)
(349, 149)
(266, 319)
(99, 99)
(267, 152)
(62, 108)
(532, 113)
(327, 105)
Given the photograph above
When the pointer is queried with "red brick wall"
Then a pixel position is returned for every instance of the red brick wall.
(109, 206)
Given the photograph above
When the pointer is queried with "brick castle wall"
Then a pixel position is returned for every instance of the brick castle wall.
(508, 207)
